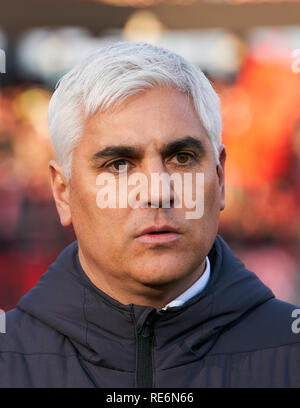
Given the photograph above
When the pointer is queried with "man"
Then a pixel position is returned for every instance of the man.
(148, 295)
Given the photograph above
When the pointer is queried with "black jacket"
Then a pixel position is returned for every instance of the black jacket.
(67, 333)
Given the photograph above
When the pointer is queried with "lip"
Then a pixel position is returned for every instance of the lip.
(159, 228)
(168, 234)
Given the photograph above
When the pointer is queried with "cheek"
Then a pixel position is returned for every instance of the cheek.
(205, 191)
(207, 225)
(211, 211)
(83, 200)
(103, 225)
(212, 191)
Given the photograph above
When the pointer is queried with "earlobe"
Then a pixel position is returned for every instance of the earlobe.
(60, 189)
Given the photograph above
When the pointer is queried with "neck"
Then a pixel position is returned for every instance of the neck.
(129, 291)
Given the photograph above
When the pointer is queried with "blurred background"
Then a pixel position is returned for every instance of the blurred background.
(250, 50)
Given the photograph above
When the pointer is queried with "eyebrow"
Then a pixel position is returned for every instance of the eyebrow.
(116, 151)
(187, 142)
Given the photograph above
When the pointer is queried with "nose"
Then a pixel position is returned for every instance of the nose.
(160, 191)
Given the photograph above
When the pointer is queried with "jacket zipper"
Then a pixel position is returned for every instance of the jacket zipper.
(145, 339)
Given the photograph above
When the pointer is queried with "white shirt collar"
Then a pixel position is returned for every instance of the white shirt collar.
(193, 290)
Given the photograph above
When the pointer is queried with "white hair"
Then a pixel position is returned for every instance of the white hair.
(114, 73)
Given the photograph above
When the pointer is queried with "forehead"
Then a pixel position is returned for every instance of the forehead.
(149, 120)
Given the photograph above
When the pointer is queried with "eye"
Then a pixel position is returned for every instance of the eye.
(115, 165)
(183, 157)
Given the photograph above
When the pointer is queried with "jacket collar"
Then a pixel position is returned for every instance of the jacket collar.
(101, 328)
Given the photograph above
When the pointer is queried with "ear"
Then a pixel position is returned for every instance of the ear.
(221, 175)
(61, 191)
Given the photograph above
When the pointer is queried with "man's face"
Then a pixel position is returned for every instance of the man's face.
(111, 239)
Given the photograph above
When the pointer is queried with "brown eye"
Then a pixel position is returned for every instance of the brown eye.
(118, 163)
(115, 165)
(183, 158)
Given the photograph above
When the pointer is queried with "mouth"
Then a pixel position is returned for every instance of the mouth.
(159, 235)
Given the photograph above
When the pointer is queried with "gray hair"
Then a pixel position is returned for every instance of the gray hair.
(114, 73)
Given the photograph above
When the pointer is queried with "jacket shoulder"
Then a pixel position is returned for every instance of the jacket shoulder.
(272, 324)
(25, 334)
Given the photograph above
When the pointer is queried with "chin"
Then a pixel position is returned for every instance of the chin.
(160, 275)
